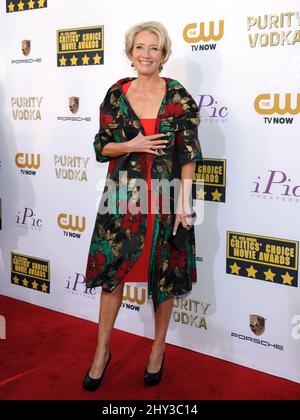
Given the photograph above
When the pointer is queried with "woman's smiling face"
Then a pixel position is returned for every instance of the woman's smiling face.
(146, 54)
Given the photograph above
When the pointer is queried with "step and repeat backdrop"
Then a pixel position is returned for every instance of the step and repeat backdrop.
(241, 63)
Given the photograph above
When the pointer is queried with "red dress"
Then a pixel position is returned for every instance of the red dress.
(140, 270)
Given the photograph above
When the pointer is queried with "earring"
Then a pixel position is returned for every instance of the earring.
(132, 65)
(161, 67)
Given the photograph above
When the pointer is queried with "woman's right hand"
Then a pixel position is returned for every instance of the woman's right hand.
(148, 144)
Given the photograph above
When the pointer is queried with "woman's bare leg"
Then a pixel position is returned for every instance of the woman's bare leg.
(162, 320)
(109, 307)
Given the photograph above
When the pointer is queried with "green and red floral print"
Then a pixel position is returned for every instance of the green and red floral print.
(119, 236)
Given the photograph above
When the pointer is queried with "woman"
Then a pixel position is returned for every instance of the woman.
(148, 131)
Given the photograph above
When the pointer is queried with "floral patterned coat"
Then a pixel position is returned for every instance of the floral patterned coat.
(118, 238)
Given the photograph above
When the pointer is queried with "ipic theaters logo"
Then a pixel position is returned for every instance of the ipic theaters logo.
(257, 325)
(76, 285)
(26, 49)
(73, 105)
(71, 168)
(211, 111)
(209, 182)
(80, 46)
(274, 30)
(28, 219)
(277, 104)
(28, 163)
(133, 297)
(276, 185)
(20, 6)
(263, 258)
(205, 32)
(30, 272)
(190, 312)
(26, 108)
(72, 226)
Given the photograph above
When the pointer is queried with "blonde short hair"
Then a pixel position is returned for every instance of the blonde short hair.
(165, 43)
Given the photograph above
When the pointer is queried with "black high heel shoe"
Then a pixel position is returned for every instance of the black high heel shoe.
(154, 378)
(91, 384)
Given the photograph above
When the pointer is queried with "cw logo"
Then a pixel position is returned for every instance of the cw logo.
(265, 104)
(132, 295)
(66, 221)
(24, 160)
(194, 32)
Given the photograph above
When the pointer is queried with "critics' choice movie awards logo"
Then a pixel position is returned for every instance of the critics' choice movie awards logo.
(28, 219)
(26, 109)
(28, 163)
(73, 105)
(211, 111)
(26, 49)
(190, 312)
(72, 226)
(76, 285)
(274, 30)
(71, 168)
(30, 272)
(210, 180)
(280, 107)
(80, 46)
(205, 34)
(276, 185)
(21, 6)
(133, 297)
(257, 326)
(263, 258)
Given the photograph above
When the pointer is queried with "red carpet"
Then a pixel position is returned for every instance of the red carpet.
(46, 355)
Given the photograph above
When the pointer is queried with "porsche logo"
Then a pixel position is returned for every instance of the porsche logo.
(73, 104)
(257, 324)
(26, 47)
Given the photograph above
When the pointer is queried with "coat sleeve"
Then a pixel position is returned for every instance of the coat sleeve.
(104, 135)
(187, 142)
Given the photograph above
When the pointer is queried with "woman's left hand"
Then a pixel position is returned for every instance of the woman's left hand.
(184, 217)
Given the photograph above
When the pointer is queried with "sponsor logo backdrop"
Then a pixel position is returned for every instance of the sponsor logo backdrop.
(240, 61)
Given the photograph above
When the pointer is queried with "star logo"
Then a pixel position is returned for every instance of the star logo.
(34, 285)
(21, 5)
(41, 3)
(63, 61)
(44, 288)
(216, 195)
(269, 275)
(16, 280)
(25, 282)
(74, 60)
(97, 59)
(287, 279)
(251, 272)
(85, 60)
(11, 7)
(30, 4)
(201, 194)
(235, 268)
